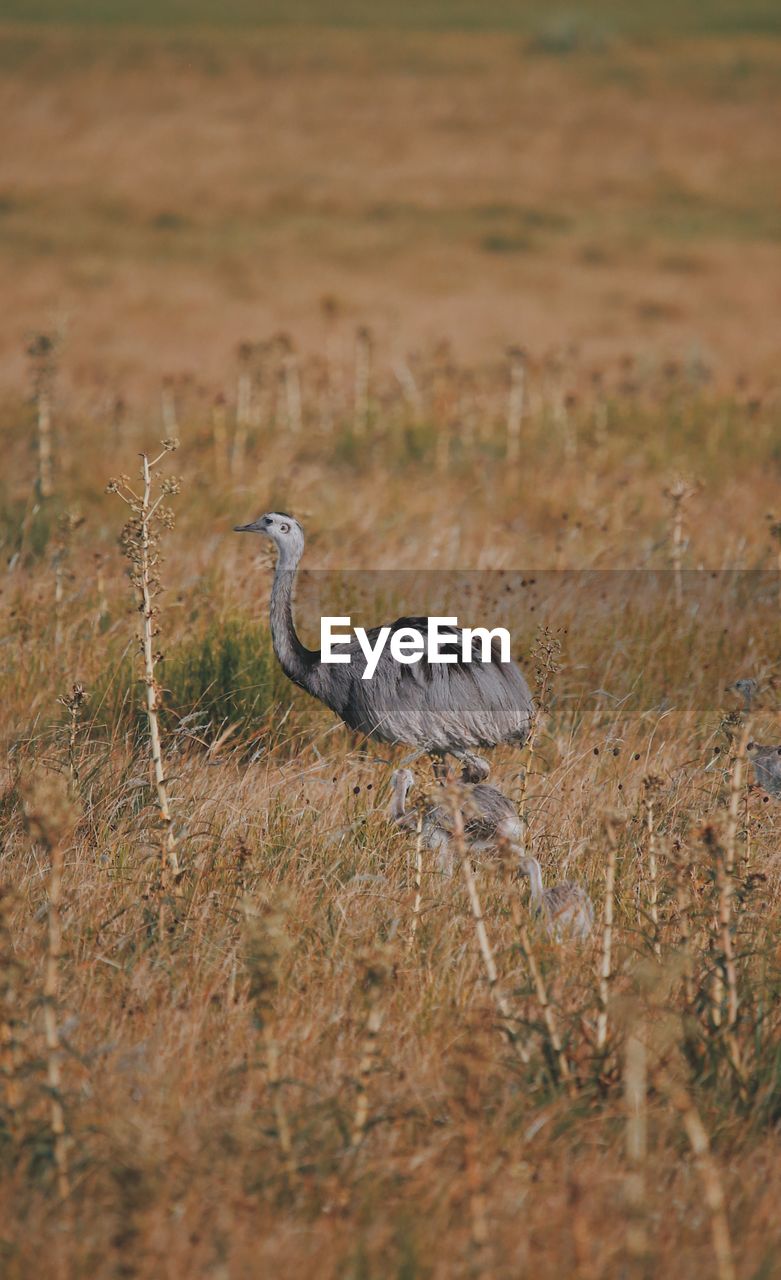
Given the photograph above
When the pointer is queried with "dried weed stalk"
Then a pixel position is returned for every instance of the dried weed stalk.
(51, 818)
(219, 417)
(508, 1021)
(266, 942)
(548, 1015)
(606, 961)
(67, 524)
(42, 354)
(75, 704)
(678, 494)
(140, 541)
(375, 975)
(515, 404)
(363, 366)
(418, 881)
(545, 656)
(725, 976)
(652, 786)
(710, 1177)
(10, 1013)
(635, 1107)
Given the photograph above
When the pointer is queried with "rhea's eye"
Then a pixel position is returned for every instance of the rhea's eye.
(284, 528)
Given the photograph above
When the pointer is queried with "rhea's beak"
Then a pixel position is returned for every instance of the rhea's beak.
(255, 526)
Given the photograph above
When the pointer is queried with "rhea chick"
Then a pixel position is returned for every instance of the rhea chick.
(487, 814)
(566, 908)
(766, 763)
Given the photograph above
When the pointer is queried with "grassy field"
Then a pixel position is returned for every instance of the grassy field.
(294, 1054)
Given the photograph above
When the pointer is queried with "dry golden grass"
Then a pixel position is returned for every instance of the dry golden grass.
(273, 1067)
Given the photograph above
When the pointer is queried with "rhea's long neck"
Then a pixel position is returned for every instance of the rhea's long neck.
(535, 880)
(398, 804)
(296, 660)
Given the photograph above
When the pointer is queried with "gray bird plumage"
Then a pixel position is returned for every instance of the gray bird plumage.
(451, 708)
(566, 908)
(489, 820)
(766, 763)
(748, 688)
(488, 817)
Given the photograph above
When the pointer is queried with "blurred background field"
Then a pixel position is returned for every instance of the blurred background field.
(605, 176)
(488, 296)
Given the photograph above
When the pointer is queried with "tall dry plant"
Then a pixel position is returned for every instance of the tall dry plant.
(678, 494)
(737, 791)
(363, 373)
(67, 525)
(289, 386)
(724, 985)
(606, 956)
(42, 353)
(684, 904)
(51, 817)
(219, 424)
(708, 1170)
(548, 1015)
(140, 542)
(775, 533)
(11, 978)
(75, 704)
(515, 405)
(508, 1021)
(245, 353)
(238, 453)
(636, 1140)
(545, 655)
(373, 979)
(265, 944)
(652, 786)
(418, 881)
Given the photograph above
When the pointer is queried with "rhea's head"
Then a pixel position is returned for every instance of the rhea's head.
(282, 529)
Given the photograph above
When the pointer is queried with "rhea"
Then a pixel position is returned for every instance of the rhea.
(566, 908)
(443, 709)
(487, 815)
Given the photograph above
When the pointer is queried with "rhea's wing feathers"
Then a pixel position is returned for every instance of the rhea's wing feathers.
(567, 896)
(489, 813)
(439, 706)
(766, 762)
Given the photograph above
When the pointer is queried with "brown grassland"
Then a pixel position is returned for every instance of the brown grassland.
(236, 1037)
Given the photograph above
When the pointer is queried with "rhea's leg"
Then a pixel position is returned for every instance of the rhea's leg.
(473, 768)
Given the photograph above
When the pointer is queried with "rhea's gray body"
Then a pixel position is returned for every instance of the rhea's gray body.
(766, 763)
(566, 908)
(454, 708)
(488, 818)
